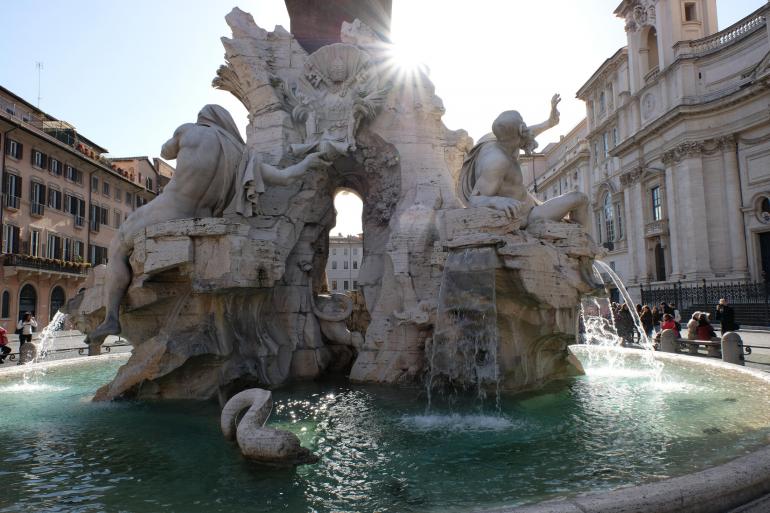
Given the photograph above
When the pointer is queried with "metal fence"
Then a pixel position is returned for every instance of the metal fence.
(690, 294)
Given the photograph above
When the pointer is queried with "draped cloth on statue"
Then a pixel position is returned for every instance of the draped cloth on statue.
(467, 180)
(240, 190)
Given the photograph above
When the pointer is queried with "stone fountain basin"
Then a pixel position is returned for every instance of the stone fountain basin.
(719, 489)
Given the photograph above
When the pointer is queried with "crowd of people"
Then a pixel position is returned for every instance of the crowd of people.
(654, 319)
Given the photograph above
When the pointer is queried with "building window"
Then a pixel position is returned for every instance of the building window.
(72, 174)
(38, 198)
(606, 144)
(345, 251)
(106, 188)
(596, 151)
(94, 183)
(118, 195)
(609, 218)
(54, 199)
(129, 199)
(334, 264)
(54, 247)
(55, 167)
(602, 102)
(355, 284)
(345, 285)
(117, 217)
(334, 251)
(334, 284)
(5, 305)
(148, 183)
(34, 243)
(11, 242)
(12, 187)
(619, 220)
(355, 251)
(13, 148)
(690, 11)
(345, 264)
(97, 255)
(614, 136)
(355, 264)
(78, 251)
(67, 248)
(39, 159)
(657, 208)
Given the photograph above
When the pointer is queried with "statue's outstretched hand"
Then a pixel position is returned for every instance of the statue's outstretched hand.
(316, 160)
(554, 104)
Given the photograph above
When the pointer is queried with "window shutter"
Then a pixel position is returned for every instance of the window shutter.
(15, 239)
(44, 161)
(19, 151)
(32, 157)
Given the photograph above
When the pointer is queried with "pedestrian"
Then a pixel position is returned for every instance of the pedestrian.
(624, 324)
(26, 326)
(4, 349)
(675, 313)
(692, 326)
(647, 322)
(669, 324)
(726, 317)
(705, 330)
(657, 315)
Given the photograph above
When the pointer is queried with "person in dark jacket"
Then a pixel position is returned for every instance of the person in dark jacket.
(647, 322)
(726, 316)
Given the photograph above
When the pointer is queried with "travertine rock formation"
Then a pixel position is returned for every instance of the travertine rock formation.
(219, 304)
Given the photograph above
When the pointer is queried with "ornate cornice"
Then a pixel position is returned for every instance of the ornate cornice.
(690, 149)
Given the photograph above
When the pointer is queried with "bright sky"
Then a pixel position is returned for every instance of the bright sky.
(126, 74)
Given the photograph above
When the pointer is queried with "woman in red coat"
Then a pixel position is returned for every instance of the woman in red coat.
(669, 324)
(705, 331)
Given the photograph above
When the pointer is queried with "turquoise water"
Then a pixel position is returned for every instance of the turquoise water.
(380, 450)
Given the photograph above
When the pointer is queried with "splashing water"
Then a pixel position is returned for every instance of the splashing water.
(47, 336)
(601, 330)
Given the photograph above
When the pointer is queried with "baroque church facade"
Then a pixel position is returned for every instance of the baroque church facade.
(674, 151)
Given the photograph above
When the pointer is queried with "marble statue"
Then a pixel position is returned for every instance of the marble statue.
(215, 171)
(243, 420)
(491, 174)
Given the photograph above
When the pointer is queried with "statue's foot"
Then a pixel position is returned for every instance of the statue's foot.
(108, 327)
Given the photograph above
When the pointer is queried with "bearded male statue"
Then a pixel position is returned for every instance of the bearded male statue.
(215, 172)
(491, 174)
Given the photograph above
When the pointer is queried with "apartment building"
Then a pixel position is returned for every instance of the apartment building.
(62, 203)
(344, 262)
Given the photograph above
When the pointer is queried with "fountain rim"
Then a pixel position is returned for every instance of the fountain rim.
(16, 370)
(713, 490)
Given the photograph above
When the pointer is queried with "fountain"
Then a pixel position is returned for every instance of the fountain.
(470, 285)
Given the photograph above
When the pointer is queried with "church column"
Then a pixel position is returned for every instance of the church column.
(697, 261)
(674, 237)
(640, 258)
(734, 218)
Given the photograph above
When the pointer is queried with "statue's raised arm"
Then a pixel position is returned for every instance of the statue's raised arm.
(552, 120)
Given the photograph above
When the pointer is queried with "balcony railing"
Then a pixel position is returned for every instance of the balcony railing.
(12, 201)
(44, 264)
(38, 209)
(656, 228)
(739, 30)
